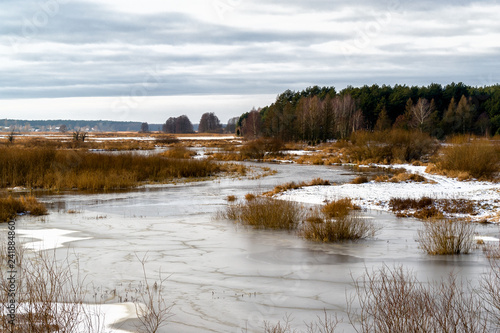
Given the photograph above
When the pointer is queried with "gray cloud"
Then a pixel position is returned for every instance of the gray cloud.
(85, 50)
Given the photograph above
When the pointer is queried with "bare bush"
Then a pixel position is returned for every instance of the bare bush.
(153, 311)
(490, 292)
(447, 237)
(393, 300)
(49, 296)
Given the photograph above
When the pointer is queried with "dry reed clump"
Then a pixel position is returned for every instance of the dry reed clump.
(179, 152)
(294, 186)
(394, 300)
(10, 207)
(428, 208)
(231, 198)
(319, 227)
(250, 196)
(257, 149)
(360, 180)
(407, 177)
(265, 213)
(339, 208)
(390, 146)
(476, 158)
(443, 237)
(166, 140)
(68, 169)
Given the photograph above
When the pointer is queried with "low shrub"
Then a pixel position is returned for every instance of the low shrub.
(231, 198)
(179, 152)
(390, 146)
(394, 300)
(427, 208)
(319, 182)
(68, 169)
(360, 180)
(343, 228)
(293, 186)
(10, 207)
(257, 149)
(478, 158)
(266, 213)
(250, 196)
(407, 177)
(447, 237)
(338, 208)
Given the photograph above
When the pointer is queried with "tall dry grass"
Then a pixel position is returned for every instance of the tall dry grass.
(465, 158)
(390, 146)
(340, 229)
(339, 208)
(336, 222)
(265, 213)
(48, 168)
(10, 207)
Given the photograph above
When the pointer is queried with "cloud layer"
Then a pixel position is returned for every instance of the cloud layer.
(64, 48)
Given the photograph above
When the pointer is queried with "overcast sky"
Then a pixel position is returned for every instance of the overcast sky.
(149, 60)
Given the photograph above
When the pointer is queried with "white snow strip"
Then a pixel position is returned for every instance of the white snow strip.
(48, 238)
(487, 239)
(376, 195)
(298, 152)
(231, 137)
(91, 317)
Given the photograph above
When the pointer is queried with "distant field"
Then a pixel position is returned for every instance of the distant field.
(120, 136)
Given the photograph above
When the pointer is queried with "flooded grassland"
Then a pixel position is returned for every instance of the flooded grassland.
(223, 277)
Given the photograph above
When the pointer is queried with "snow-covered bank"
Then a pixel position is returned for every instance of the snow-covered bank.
(376, 195)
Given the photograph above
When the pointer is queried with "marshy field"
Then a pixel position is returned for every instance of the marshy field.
(127, 232)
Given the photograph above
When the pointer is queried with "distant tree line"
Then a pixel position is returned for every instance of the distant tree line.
(318, 114)
(209, 123)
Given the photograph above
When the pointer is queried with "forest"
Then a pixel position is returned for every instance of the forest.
(321, 113)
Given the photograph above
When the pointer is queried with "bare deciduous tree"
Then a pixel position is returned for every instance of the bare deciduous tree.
(421, 112)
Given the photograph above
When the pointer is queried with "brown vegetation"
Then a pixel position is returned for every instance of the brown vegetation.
(339, 208)
(394, 146)
(466, 158)
(293, 186)
(10, 207)
(447, 237)
(428, 208)
(231, 198)
(360, 180)
(321, 228)
(265, 213)
(68, 169)
(257, 149)
(179, 152)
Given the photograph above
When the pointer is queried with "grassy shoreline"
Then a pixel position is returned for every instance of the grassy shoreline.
(48, 168)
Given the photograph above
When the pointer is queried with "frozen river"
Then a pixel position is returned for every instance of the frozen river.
(224, 278)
